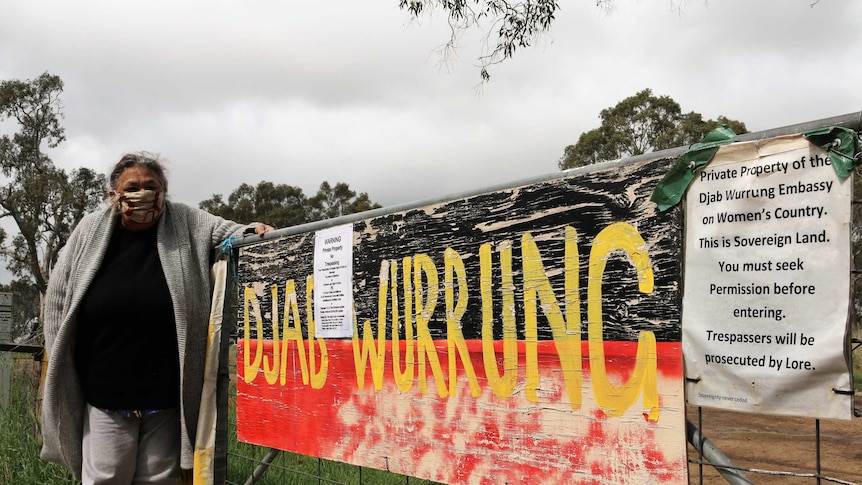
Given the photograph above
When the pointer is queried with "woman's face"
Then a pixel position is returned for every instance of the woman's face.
(135, 179)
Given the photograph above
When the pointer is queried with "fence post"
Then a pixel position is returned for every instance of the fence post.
(5, 357)
(5, 379)
(713, 455)
(223, 376)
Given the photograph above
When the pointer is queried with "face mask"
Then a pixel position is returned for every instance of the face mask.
(143, 206)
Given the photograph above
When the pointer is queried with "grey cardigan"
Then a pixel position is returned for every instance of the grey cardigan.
(186, 237)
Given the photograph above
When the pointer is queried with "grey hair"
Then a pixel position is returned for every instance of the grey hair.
(147, 160)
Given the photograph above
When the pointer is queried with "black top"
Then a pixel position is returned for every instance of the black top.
(126, 348)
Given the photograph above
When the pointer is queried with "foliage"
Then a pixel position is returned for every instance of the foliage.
(337, 201)
(284, 205)
(43, 200)
(640, 124)
(513, 24)
(517, 24)
(280, 205)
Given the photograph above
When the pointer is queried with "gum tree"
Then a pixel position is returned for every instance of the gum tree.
(43, 202)
(285, 205)
(513, 25)
(639, 124)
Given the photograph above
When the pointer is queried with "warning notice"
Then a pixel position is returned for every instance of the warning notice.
(767, 273)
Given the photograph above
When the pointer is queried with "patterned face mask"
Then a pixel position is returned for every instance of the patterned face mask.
(143, 206)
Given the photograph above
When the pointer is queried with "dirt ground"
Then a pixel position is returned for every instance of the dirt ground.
(781, 444)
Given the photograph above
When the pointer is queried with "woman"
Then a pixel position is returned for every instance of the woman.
(126, 317)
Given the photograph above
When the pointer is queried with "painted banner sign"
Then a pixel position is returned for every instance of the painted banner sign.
(526, 335)
(767, 281)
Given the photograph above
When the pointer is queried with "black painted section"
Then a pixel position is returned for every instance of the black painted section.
(588, 203)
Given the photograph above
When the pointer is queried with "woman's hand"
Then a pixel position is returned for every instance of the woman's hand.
(262, 229)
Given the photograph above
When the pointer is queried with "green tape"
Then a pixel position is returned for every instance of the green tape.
(841, 145)
(673, 185)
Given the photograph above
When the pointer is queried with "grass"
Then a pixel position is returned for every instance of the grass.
(19, 430)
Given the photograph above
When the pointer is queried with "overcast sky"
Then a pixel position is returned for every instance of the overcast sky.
(353, 91)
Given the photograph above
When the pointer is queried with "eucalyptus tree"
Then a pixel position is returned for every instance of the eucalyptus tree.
(338, 200)
(639, 124)
(43, 201)
(513, 24)
(285, 205)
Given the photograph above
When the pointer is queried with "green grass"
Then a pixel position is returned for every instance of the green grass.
(19, 431)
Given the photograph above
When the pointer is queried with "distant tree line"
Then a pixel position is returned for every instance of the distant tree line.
(283, 205)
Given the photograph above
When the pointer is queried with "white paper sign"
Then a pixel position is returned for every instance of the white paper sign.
(767, 274)
(5, 317)
(333, 282)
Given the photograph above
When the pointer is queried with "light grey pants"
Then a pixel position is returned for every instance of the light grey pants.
(131, 451)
